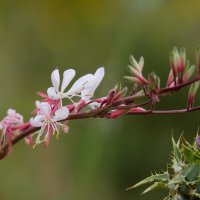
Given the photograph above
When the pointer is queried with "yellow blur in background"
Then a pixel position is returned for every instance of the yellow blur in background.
(99, 158)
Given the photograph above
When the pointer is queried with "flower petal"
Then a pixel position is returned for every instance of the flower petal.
(37, 103)
(98, 76)
(37, 121)
(86, 94)
(79, 85)
(92, 85)
(61, 113)
(55, 78)
(68, 75)
(45, 109)
(11, 112)
(52, 93)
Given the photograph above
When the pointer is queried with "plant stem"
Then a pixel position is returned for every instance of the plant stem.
(123, 103)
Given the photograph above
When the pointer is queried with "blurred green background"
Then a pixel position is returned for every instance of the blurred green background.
(99, 158)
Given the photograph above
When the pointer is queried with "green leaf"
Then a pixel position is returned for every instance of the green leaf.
(157, 177)
(190, 152)
(176, 150)
(156, 185)
(192, 172)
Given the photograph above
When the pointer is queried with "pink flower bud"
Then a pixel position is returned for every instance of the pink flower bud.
(137, 109)
(170, 79)
(118, 113)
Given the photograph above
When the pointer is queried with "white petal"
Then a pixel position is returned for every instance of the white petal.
(68, 75)
(11, 111)
(37, 121)
(55, 78)
(79, 85)
(52, 93)
(61, 113)
(45, 109)
(92, 85)
(98, 76)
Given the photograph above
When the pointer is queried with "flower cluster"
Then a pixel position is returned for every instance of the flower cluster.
(50, 112)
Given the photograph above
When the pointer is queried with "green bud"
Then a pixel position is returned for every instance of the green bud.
(132, 79)
(193, 89)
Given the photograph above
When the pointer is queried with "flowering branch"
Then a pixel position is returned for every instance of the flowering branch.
(53, 112)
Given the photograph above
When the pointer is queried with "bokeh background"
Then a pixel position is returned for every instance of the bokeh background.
(99, 158)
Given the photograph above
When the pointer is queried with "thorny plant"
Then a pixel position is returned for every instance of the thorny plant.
(182, 178)
(52, 113)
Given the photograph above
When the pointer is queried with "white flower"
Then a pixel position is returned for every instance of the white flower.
(54, 92)
(85, 85)
(47, 121)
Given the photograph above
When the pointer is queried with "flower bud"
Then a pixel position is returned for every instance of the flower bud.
(174, 60)
(121, 93)
(170, 78)
(188, 73)
(133, 79)
(135, 70)
(136, 65)
(192, 93)
(178, 62)
(154, 82)
(118, 113)
(137, 109)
